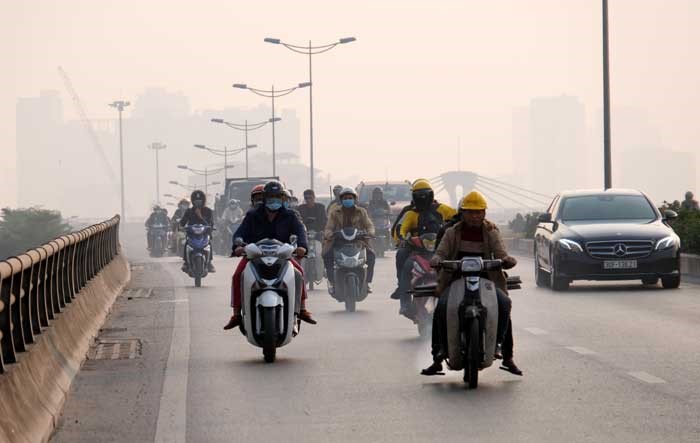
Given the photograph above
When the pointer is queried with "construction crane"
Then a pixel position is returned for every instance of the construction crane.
(88, 126)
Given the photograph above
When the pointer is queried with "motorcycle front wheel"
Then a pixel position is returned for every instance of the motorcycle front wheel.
(269, 340)
(352, 293)
(198, 270)
(471, 366)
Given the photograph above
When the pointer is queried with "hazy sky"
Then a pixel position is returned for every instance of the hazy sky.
(421, 74)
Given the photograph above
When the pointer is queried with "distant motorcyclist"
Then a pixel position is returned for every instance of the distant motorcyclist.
(182, 206)
(377, 202)
(689, 204)
(256, 196)
(159, 216)
(269, 221)
(347, 215)
(313, 214)
(473, 236)
(233, 212)
(335, 203)
(199, 213)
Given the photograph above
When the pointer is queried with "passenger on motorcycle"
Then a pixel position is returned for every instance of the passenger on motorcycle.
(159, 216)
(335, 203)
(426, 217)
(473, 236)
(347, 215)
(256, 196)
(272, 221)
(313, 214)
(199, 213)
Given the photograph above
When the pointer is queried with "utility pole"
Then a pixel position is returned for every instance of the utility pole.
(157, 147)
(607, 156)
(120, 105)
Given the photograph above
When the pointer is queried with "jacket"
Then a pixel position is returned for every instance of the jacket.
(358, 219)
(256, 226)
(317, 212)
(410, 221)
(493, 249)
(190, 217)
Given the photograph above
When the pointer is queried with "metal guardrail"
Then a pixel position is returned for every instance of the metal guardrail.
(38, 285)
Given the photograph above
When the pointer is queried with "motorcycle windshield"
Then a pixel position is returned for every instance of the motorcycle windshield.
(199, 242)
(350, 249)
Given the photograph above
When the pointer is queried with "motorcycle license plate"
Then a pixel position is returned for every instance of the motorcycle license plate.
(620, 264)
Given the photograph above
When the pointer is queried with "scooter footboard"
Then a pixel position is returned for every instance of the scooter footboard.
(455, 295)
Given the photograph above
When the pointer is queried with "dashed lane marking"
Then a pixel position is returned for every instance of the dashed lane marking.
(646, 377)
(536, 331)
(580, 350)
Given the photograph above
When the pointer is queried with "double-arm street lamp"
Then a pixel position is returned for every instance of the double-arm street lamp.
(272, 94)
(225, 153)
(205, 172)
(182, 185)
(245, 127)
(119, 105)
(157, 147)
(310, 50)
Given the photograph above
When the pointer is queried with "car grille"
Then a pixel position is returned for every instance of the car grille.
(620, 249)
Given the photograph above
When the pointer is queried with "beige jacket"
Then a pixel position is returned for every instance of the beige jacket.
(493, 249)
(358, 218)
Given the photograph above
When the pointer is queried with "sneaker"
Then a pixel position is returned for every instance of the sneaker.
(395, 295)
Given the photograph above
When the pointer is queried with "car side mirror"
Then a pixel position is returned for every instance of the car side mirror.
(670, 215)
(545, 218)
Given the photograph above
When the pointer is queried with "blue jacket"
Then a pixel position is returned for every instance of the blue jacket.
(256, 226)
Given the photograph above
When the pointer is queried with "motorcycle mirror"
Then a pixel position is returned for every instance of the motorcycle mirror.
(292, 239)
(238, 241)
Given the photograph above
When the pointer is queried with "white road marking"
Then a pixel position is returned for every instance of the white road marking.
(536, 331)
(580, 350)
(172, 414)
(178, 300)
(646, 377)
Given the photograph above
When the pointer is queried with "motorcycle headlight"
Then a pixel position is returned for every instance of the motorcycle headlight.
(570, 245)
(667, 243)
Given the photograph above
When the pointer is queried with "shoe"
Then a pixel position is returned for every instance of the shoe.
(434, 369)
(510, 366)
(498, 355)
(211, 268)
(369, 288)
(233, 322)
(185, 268)
(408, 313)
(395, 295)
(305, 316)
(331, 288)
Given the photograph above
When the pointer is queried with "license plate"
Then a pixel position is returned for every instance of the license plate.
(620, 264)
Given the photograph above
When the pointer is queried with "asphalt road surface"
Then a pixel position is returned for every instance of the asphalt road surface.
(602, 362)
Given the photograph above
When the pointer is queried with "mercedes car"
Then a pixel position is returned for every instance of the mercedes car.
(617, 234)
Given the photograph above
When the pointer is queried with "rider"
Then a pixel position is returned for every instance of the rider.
(313, 214)
(689, 203)
(474, 236)
(347, 215)
(159, 216)
(335, 203)
(426, 216)
(271, 221)
(198, 214)
(377, 202)
(256, 196)
(233, 212)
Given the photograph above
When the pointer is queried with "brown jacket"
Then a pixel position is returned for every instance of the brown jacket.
(357, 218)
(450, 246)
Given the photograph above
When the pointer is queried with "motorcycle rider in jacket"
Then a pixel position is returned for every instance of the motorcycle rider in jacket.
(313, 214)
(271, 220)
(158, 216)
(199, 213)
(473, 236)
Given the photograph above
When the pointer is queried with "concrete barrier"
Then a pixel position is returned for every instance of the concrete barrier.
(34, 386)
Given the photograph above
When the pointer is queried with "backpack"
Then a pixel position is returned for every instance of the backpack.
(430, 221)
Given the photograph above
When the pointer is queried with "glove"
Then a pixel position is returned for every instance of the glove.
(435, 261)
(509, 262)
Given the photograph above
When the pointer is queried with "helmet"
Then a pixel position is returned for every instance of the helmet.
(257, 190)
(164, 210)
(336, 190)
(474, 201)
(287, 194)
(347, 191)
(422, 194)
(689, 195)
(421, 184)
(233, 203)
(377, 193)
(198, 198)
(273, 188)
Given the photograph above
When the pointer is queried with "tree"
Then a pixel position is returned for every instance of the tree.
(23, 229)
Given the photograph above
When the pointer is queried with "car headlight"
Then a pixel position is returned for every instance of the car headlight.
(570, 245)
(667, 242)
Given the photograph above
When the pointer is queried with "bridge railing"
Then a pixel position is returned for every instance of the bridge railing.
(35, 287)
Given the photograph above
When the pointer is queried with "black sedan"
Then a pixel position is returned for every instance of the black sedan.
(615, 234)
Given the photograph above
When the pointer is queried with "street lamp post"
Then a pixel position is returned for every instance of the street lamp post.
(607, 154)
(205, 172)
(120, 105)
(272, 94)
(225, 153)
(244, 127)
(310, 51)
(157, 147)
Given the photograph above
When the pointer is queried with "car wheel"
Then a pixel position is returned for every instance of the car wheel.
(556, 282)
(541, 279)
(671, 282)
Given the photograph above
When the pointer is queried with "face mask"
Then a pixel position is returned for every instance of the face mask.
(286, 205)
(348, 202)
(273, 204)
(198, 203)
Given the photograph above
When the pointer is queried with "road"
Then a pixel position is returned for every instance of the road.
(602, 362)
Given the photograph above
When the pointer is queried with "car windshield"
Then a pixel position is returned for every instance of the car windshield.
(392, 192)
(606, 207)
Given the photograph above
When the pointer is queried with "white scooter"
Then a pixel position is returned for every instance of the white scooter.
(271, 296)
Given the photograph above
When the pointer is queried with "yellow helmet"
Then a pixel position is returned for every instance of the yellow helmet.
(474, 201)
(421, 184)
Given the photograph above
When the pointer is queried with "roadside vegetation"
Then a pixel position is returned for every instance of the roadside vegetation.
(687, 226)
(23, 229)
(524, 226)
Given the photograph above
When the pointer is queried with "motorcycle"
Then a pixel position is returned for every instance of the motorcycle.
(350, 268)
(159, 239)
(382, 225)
(471, 318)
(422, 275)
(313, 263)
(271, 296)
(198, 252)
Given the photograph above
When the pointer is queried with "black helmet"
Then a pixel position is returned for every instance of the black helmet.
(689, 195)
(273, 189)
(309, 192)
(198, 198)
(377, 193)
(423, 198)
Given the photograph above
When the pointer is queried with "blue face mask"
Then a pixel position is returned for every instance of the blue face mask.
(273, 204)
(286, 205)
(348, 202)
